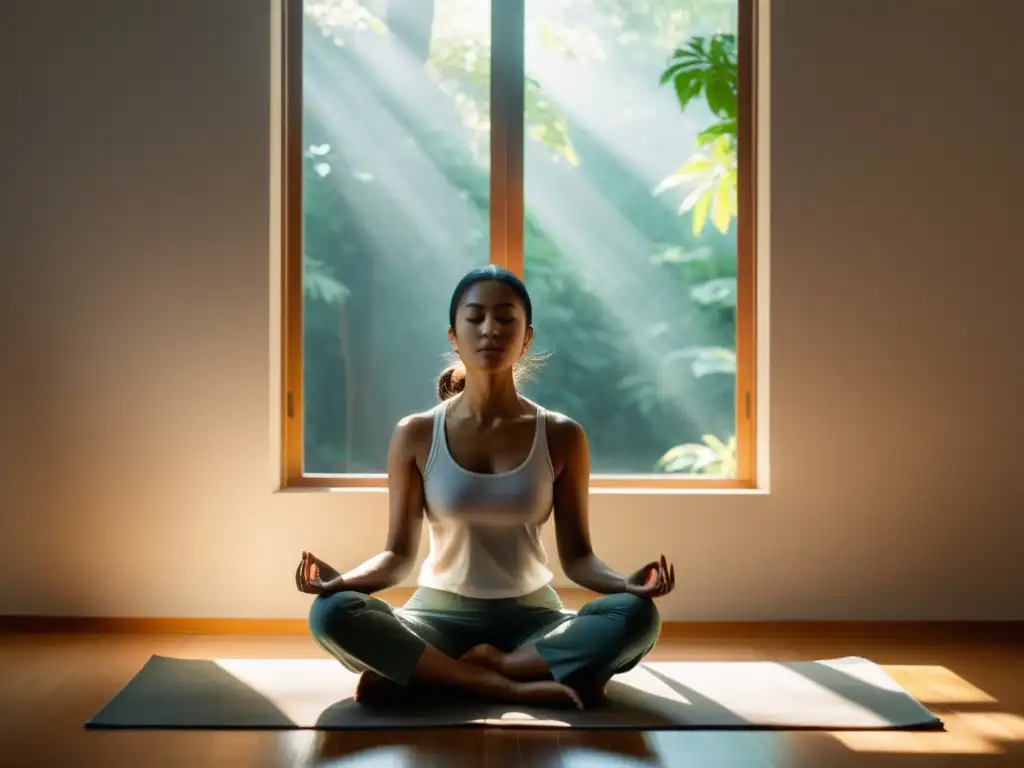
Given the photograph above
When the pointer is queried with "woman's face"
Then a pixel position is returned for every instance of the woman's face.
(490, 327)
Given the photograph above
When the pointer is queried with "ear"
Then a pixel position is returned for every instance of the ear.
(527, 340)
(451, 338)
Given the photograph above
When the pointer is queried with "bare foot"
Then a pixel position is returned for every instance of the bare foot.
(376, 691)
(373, 690)
(493, 658)
(484, 655)
(593, 696)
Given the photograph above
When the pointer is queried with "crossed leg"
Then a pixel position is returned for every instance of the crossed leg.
(610, 634)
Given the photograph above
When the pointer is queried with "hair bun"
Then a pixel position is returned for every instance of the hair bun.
(451, 381)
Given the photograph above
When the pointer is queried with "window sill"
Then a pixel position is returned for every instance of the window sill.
(603, 486)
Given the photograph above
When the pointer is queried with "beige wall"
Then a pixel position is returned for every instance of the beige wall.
(135, 297)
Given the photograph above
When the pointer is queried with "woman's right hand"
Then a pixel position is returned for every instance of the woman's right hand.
(315, 577)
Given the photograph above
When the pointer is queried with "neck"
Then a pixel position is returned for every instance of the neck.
(490, 396)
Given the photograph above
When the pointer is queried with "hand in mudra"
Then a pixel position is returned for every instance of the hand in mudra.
(315, 577)
(655, 579)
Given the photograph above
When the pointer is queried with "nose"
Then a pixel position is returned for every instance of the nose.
(490, 327)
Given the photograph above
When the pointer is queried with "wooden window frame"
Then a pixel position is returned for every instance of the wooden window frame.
(506, 241)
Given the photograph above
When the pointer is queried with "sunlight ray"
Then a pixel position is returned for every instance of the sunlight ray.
(403, 176)
(614, 258)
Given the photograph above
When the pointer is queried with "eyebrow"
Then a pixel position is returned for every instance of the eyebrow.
(475, 305)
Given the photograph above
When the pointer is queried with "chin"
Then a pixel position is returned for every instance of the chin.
(493, 363)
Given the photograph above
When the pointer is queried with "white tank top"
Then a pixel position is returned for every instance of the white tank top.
(485, 528)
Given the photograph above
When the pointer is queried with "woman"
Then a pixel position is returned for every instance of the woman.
(487, 466)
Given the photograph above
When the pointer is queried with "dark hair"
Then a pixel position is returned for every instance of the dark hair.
(486, 274)
(453, 378)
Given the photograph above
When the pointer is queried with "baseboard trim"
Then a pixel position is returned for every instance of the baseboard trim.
(573, 598)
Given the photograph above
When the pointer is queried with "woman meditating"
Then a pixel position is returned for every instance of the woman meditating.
(486, 467)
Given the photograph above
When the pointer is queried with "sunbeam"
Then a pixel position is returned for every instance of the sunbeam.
(618, 103)
(403, 185)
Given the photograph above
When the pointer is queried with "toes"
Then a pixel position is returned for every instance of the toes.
(575, 698)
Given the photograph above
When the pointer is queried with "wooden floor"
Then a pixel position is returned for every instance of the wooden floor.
(51, 683)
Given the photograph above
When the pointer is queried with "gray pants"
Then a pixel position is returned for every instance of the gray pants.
(609, 635)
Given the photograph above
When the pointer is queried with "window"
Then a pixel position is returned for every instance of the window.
(602, 149)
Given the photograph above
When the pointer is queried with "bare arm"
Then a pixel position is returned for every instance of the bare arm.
(572, 521)
(405, 499)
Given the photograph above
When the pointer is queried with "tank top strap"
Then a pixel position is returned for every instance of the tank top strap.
(542, 442)
(437, 436)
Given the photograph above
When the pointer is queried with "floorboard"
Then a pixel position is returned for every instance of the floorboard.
(50, 683)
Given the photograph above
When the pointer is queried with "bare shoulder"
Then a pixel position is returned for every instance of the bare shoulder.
(567, 440)
(562, 426)
(413, 435)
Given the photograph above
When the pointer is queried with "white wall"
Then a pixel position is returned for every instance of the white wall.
(135, 301)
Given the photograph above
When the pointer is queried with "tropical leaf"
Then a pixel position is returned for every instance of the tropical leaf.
(708, 66)
(700, 207)
(713, 171)
(675, 254)
(319, 284)
(713, 457)
(692, 458)
(721, 290)
(721, 96)
(723, 201)
(710, 360)
(725, 128)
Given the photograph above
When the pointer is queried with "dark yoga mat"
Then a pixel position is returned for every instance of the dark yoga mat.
(839, 694)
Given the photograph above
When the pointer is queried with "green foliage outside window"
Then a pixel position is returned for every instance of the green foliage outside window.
(630, 406)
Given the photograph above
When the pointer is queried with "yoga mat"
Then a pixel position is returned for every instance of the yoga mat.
(850, 693)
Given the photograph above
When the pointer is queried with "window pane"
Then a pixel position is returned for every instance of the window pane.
(633, 266)
(395, 210)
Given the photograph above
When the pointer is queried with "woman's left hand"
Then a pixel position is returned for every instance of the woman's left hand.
(655, 579)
